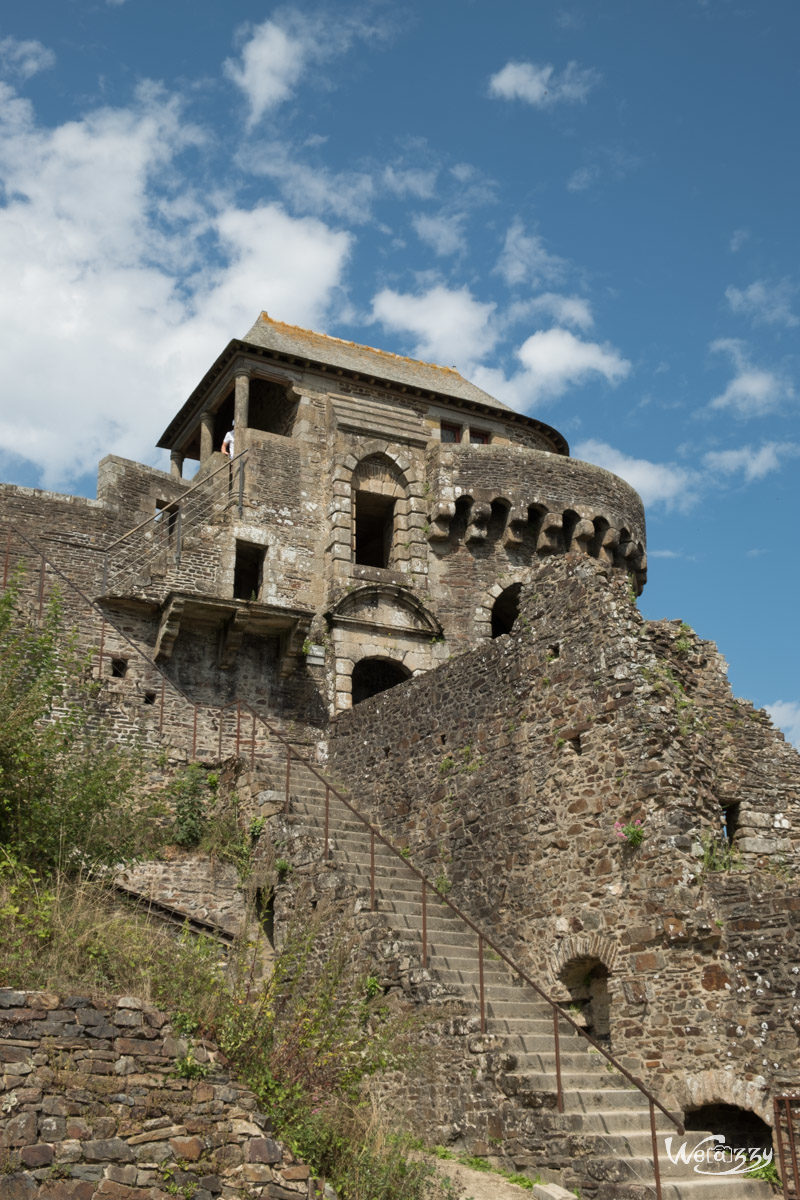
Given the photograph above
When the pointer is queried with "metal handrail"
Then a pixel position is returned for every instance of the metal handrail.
(179, 500)
(375, 834)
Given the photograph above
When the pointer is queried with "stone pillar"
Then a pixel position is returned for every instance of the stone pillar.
(240, 411)
(176, 464)
(207, 446)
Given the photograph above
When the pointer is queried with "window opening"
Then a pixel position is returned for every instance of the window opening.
(248, 571)
(374, 529)
(505, 610)
(479, 437)
(586, 980)
(450, 432)
(373, 675)
(730, 822)
(119, 668)
(149, 697)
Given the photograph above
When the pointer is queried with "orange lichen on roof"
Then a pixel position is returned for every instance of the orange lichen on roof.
(311, 336)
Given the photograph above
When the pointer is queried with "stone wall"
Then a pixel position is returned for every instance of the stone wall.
(97, 1107)
(505, 771)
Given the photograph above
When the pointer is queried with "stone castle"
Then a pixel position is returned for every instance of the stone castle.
(575, 783)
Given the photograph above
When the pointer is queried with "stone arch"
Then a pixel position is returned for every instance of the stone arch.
(392, 508)
(716, 1086)
(578, 946)
(376, 673)
(485, 608)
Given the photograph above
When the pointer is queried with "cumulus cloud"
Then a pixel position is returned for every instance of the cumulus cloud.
(449, 327)
(275, 54)
(541, 85)
(657, 483)
(786, 715)
(765, 303)
(753, 391)
(556, 358)
(410, 181)
(314, 189)
(525, 259)
(24, 59)
(102, 238)
(568, 310)
(751, 462)
(444, 234)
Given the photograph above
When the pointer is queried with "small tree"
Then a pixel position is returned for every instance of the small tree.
(66, 790)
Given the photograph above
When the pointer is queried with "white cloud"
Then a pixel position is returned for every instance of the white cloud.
(451, 327)
(582, 178)
(656, 483)
(765, 303)
(569, 310)
(754, 464)
(101, 236)
(541, 85)
(24, 59)
(444, 234)
(313, 189)
(556, 358)
(410, 181)
(525, 260)
(786, 715)
(276, 54)
(753, 391)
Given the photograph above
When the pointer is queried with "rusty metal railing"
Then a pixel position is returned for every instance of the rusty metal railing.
(787, 1135)
(166, 531)
(484, 941)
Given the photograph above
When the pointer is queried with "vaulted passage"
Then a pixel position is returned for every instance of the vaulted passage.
(373, 675)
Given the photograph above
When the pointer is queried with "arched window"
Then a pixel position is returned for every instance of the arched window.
(378, 491)
(505, 610)
(373, 675)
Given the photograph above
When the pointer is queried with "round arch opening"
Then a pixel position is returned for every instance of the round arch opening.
(505, 610)
(373, 675)
(739, 1126)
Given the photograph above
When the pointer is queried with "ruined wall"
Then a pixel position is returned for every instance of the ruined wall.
(95, 1106)
(505, 771)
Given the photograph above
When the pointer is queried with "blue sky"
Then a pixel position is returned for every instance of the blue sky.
(589, 208)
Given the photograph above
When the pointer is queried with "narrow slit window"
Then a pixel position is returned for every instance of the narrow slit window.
(119, 668)
(374, 529)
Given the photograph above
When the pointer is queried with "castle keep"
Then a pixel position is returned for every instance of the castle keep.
(383, 522)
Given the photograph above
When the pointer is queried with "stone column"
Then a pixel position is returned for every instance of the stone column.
(240, 411)
(207, 446)
(176, 464)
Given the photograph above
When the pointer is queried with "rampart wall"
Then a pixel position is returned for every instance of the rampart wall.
(505, 771)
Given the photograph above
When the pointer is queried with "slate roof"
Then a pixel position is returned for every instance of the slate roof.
(334, 352)
(293, 344)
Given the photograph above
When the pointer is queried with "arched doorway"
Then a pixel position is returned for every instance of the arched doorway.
(373, 675)
(739, 1126)
(586, 980)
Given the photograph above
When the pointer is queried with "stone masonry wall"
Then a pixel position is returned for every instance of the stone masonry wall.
(95, 1108)
(504, 773)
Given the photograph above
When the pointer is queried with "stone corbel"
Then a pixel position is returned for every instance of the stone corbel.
(169, 628)
(478, 527)
(515, 526)
(582, 535)
(442, 515)
(291, 646)
(608, 546)
(551, 539)
(231, 639)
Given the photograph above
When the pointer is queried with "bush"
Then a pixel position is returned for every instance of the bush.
(66, 790)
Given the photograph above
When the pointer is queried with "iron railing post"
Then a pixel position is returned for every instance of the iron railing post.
(557, 1047)
(327, 818)
(102, 647)
(372, 869)
(219, 740)
(194, 731)
(792, 1144)
(178, 532)
(288, 775)
(161, 713)
(481, 991)
(654, 1139)
(424, 923)
(241, 486)
(776, 1107)
(253, 745)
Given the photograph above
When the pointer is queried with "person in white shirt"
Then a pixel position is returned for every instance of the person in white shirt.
(227, 444)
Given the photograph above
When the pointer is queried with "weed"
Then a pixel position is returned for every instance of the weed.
(767, 1171)
(631, 832)
(187, 1066)
(446, 764)
(282, 868)
(719, 854)
(442, 883)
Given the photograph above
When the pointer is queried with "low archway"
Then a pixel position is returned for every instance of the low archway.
(505, 610)
(373, 675)
(586, 980)
(740, 1127)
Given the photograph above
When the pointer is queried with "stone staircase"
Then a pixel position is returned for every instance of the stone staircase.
(606, 1119)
